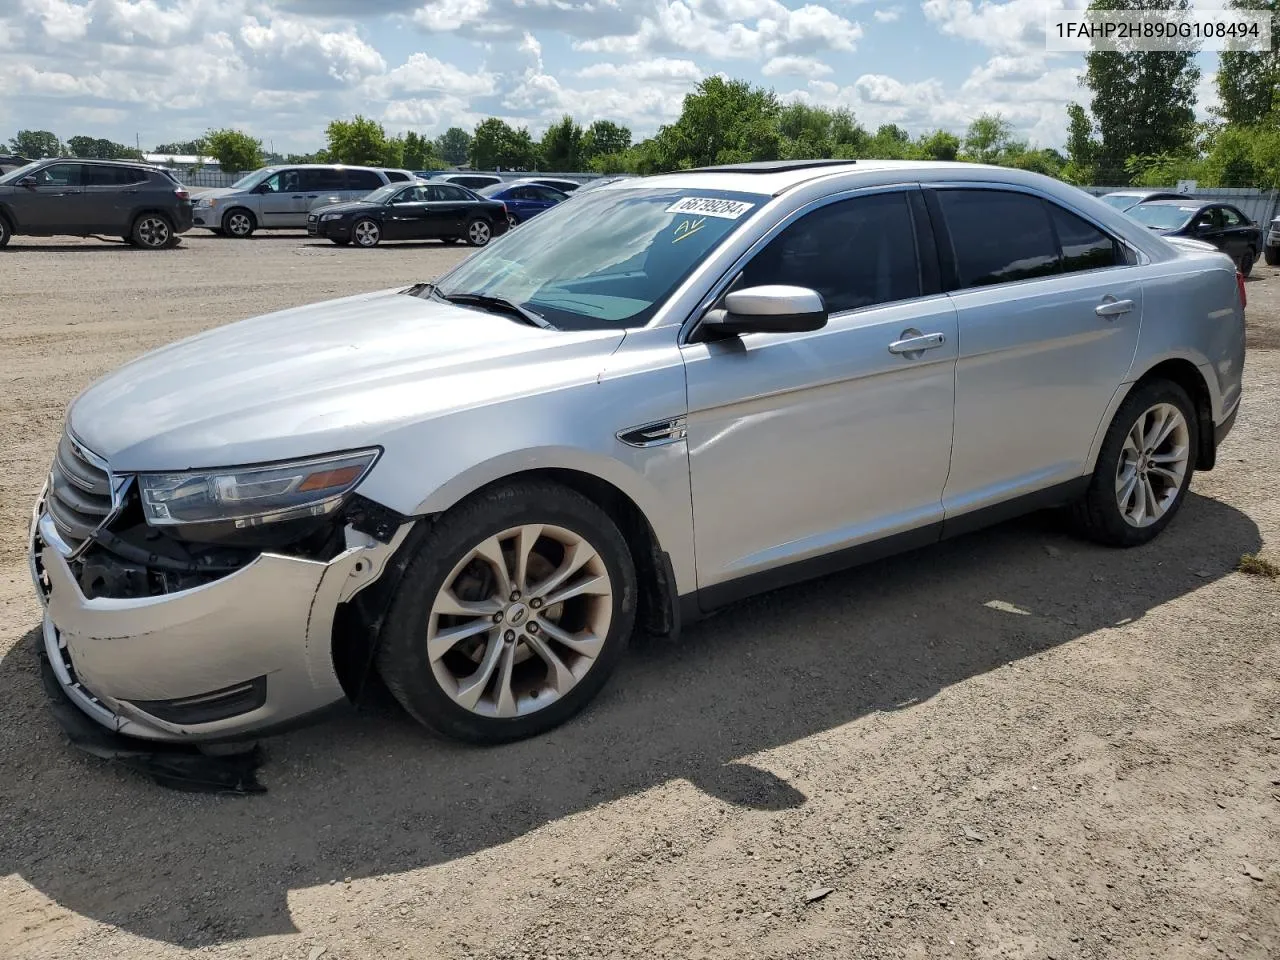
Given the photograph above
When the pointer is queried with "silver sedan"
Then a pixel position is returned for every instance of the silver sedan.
(668, 394)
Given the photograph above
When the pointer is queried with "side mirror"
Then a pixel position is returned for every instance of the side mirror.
(767, 309)
(263, 187)
(28, 182)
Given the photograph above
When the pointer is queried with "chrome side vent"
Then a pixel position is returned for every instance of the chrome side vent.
(654, 434)
(82, 495)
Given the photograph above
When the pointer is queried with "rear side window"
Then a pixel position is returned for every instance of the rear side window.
(447, 191)
(1231, 217)
(1084, 246)
(856, 253)
(361, 180)
(395, 176)
(324, 178)
(95, 176)
(998, 236)
(475, 182)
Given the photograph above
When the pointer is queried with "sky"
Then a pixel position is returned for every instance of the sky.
(166, 70)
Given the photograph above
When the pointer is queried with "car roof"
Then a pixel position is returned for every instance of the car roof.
(141, 164)
(1188, 202)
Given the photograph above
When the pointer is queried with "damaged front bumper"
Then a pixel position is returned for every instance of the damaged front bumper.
(232, 659)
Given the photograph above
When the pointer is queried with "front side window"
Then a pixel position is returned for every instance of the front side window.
(59, 175)
(607, 260)
(412, 195)
(1084, 246)
(856, 253)
(998, 236)
(286, 181)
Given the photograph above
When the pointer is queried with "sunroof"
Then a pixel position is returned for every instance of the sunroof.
(770, 166)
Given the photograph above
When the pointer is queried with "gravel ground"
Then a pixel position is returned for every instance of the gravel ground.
(1012, 745)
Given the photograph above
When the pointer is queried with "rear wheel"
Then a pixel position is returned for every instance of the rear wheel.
(366, 233)
(153, 231)
(217, 231)
(239, 223)
(448, 241)
(514, 610)
(1272, 256)
(512, 222)
(5, 232)
(479, 233)
(1246, 262)
(342, 242)
(1144, 467)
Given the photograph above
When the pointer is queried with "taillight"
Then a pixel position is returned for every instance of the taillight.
(182, 194)
(1244, 297)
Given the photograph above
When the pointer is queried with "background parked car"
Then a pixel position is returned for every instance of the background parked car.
(281, 196)
(1218, 223)
(556, 183)
(1271, 251)
(135, 201)
(11, 162)
(1125, 199)
(418, 211)
(472, 181)
(524, 199)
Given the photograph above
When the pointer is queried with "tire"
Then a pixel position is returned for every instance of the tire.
(512, 222)
(366, 233)
(512, 652)
(128, 239)
(153, 231)
(1271, 255)
(1099, 515)
(1246, 262)
(449, 241)
(239, 223)
(478, 233)
(217, 231)
(6, 232)
(341, 243)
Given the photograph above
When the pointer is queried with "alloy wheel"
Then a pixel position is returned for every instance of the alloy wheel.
(239, 225)
(520, 620)
(153, 232)
(1153, 465)
(366, 233)
(478, 233)
(512, 222)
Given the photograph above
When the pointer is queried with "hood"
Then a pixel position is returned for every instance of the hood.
(213, 193)
(316, 379)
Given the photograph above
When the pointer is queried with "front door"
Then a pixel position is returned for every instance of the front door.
(407, 215)
(53, 204)
(280, 198)
(803, 444)
(1048, 313)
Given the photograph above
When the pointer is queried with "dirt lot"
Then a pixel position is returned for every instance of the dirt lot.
(1013, 745)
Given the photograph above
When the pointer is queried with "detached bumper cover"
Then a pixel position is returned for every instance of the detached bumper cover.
(272, 619)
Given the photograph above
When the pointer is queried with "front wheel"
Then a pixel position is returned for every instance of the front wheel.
(340, 241)
(1272, 256)
(1246, 262)
(5, 232)
(479, 233)
(512, 613)
(239, 224)
(1144, 467)
(153, 231)
(366, 233)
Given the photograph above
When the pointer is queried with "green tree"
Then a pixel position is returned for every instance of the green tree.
(362, 141)
(419, 152)
(988, 138)
(1143, 103)
(722, 121)
(497, 145)
(36, 144)
(939, 145)
(562, 145)
(182, 148)
(605, 138)
(234, 150)
(92, 148)
(1249, 83)
(454, 145)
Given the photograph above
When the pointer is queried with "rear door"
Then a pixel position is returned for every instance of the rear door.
(451, 206)
(360, 183)
(111, 195)
(52, 204)
(1048, 314)
(1237, 233)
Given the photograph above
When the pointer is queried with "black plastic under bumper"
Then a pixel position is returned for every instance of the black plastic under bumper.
(177, 765)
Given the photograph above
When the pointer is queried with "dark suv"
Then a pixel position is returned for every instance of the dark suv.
(136, 201)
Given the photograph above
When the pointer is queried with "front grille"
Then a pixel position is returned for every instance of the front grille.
(80, 494)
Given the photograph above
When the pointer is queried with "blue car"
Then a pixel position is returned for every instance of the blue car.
(523, 199)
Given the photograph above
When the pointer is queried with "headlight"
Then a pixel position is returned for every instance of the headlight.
(331, 216)
(208, 202)
(252, 496)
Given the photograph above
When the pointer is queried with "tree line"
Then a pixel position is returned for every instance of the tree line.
(1137, 126)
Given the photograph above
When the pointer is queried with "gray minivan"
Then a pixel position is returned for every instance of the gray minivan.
(281, 196)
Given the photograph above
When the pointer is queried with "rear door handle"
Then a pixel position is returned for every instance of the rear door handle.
(296, 196)
(917, 343)
(1113, 308)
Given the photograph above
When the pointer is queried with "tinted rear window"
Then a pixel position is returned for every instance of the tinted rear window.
(95, 176)
(362, 180)
(999, 237)
(1084, 246)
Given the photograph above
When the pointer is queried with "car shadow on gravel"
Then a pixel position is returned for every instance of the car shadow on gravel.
(370, 794)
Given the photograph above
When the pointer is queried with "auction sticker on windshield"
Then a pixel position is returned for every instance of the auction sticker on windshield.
(711, 207)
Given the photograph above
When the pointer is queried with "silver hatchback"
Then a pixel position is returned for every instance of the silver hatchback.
(648, 402)
(275, 197)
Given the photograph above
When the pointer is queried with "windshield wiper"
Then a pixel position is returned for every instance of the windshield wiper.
(497, 305)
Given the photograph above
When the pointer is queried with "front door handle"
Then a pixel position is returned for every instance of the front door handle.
(296, 196)
(914, 342)
(1111, 307)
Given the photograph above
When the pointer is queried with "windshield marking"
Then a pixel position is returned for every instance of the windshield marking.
(712, 207)
(688, 228)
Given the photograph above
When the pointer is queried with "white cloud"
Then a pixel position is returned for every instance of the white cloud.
(1016, 25)
(422, 75)
(61, 19)
(343, 55)
(658, 70)
(888, 15)
(795, 66)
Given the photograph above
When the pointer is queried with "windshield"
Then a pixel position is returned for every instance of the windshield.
(1121, 201)
(13, 176)
(251, 179)
(1160, 216)
(608, 260)
(490, 190)
(382, 194)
